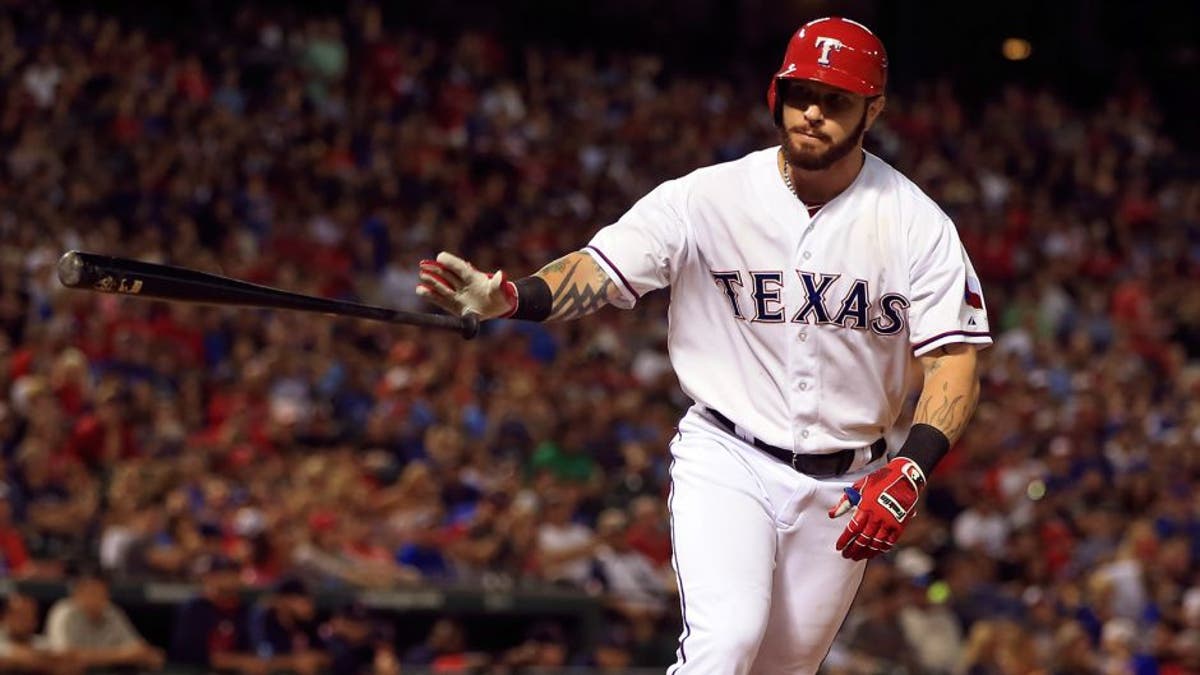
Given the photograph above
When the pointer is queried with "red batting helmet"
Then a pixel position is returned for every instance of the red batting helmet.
(836, 51)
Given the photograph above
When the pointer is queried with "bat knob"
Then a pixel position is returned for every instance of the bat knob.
(470, 325)
(70, 269)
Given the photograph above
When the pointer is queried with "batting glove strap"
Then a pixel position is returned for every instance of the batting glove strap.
(926, 445)
(904, 481)
(532, 299)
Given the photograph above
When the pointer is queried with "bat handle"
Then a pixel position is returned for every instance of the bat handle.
(470, 325)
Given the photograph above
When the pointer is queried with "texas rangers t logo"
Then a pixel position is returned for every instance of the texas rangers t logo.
(825, 44)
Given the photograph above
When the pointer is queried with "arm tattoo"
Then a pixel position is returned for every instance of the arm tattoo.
(578, 286)
(575, 297)
(947, 413)
(556, 267)
(937, 355)
(950, 408)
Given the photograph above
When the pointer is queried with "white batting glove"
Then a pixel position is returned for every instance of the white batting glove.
(457, 287)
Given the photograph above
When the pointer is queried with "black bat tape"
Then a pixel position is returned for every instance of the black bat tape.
(106, 274)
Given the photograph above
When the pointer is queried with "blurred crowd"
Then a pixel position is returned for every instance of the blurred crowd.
(297, 453)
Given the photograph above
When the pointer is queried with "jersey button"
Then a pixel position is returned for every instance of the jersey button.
(804, 434)
(807, 255)
(803, 386)
(803, 337)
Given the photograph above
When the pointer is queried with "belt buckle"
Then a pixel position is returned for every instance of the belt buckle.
(795, 459)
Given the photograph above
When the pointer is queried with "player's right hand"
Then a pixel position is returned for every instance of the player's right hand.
(457, 287)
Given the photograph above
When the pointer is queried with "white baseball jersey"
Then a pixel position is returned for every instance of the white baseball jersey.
(801, 330)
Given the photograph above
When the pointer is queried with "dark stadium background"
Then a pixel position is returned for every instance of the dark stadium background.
(1081, 48)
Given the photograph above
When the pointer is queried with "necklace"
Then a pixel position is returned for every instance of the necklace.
(787, 179)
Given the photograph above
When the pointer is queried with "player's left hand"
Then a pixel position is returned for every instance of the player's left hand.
(883, 502)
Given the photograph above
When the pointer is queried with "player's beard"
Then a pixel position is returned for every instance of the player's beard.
(819, 161)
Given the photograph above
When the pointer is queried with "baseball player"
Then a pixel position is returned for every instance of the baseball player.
(807, 281)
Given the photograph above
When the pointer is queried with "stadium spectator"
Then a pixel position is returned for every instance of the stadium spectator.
(613, 654)
(211, 629)
(23, 649)
(14, 556)
(95, 632)
(545, 647)
(648, 531)
(879, 630)
(444, 648)
(1073, 651)
(147, 545)
(324, 557)
(999, 646)
(931, 630)
(356, 643)
(60, 499)
(636, 589)
(565, 548)
(283, 630)
(480, 543)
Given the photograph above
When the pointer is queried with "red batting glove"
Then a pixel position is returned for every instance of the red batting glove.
(882, 502)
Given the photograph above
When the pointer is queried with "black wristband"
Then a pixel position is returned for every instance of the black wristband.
(534, 300)
(926, 445)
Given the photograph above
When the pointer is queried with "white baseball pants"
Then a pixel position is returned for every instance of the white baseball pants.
(762, 588)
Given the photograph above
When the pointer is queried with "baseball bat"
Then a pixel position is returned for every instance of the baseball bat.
(123, 276)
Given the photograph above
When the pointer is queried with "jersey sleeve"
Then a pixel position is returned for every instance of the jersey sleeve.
(946, 298)
(643, 250)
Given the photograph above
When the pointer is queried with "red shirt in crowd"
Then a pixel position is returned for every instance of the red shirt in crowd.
(13, 554)
(652, 542)
(95, 442)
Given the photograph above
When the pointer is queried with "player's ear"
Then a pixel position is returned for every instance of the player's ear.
(875, 106)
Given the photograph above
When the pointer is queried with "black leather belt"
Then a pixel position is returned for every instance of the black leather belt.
(818, 466)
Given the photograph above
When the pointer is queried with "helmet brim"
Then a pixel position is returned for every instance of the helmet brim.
(833, 77)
